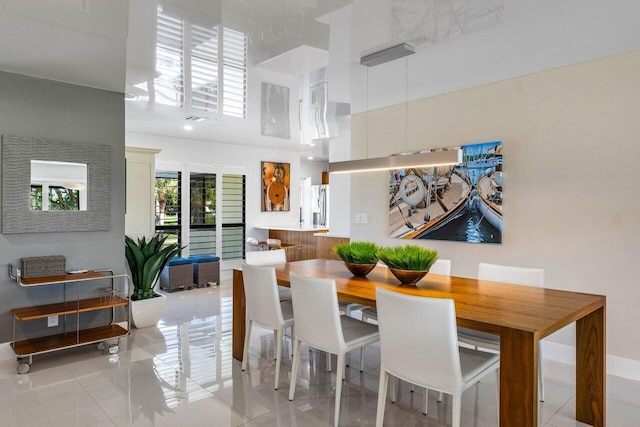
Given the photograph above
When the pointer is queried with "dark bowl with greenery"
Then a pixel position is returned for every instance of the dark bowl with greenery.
(359, 257)
(408, 263)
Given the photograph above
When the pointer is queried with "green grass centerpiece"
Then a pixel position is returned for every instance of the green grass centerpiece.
(146, 260)
(359, 257)
(408, 263)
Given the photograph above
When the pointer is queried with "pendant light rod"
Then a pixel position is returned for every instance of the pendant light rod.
(419, 160)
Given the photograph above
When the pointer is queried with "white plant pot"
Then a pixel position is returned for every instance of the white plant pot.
(148, 312)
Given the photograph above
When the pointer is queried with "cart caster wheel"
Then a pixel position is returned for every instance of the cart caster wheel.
(100, 346)
(114, 349)
(24, 368)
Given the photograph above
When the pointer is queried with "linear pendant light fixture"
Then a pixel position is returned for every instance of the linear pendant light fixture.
(388, 54)
(401, 161)
(419, 160)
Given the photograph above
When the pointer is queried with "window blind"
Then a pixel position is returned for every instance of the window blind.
(234, 61)
(169, 85)
(233, 216)
(204, 68)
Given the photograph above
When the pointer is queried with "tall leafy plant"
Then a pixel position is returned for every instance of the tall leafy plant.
(146, 260)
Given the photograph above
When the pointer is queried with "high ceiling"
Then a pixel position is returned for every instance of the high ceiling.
(109, 44)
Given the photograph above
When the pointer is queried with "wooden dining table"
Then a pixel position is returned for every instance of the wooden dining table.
(520, 315)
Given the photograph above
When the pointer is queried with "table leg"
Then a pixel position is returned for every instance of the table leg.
(239, 313)
(518, 378)
(591, 371)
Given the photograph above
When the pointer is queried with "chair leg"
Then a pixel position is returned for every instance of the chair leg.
(426, 401)
(247, 339)
(382, 397)
(275, 340)
(294, 368)
(293, 334)
(456, 406)
(392, 388)
(361, 359)
(339, 375)
(328, 356)
(279, 339)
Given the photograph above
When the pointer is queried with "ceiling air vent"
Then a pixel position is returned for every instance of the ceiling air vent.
(195, 118)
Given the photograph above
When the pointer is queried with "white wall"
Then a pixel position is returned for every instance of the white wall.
(313, 170)
(570, 160)
(569, 142)
(206, 156)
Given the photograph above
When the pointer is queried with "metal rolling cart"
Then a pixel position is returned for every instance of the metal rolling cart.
(109, 298)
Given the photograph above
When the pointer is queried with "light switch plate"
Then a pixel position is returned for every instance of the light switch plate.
(361, 218)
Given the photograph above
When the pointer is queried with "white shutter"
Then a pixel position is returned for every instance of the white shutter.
(204, 68)
(233, 216)
(234, 73)
(169, 85)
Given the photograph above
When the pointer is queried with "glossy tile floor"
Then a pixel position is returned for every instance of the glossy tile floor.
(181, 373)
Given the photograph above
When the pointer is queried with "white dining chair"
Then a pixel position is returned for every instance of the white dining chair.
(513, 275)
(276, 256)
(315, 299)
(441, 267)
(427, 353)
(265, 309)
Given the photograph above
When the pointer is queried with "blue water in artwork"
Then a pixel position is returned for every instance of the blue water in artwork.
(470, 226)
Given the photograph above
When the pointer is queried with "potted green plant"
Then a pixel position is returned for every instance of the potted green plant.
(146, 259)
(359, 257)
(408, 263)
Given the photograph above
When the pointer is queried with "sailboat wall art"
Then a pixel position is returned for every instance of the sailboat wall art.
(461, 203)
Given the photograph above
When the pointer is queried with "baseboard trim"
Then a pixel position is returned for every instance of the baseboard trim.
(616, 365)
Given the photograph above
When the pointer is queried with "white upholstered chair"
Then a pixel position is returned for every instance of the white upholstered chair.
(315, 299)
(441, 267)
(427, 354)
(276, 256)
(265, 308)
(505, 274)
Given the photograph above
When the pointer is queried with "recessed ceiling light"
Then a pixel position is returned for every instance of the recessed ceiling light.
(310, 158)
(187, 127)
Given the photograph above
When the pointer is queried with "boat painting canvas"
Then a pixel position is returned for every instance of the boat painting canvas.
(460, 203)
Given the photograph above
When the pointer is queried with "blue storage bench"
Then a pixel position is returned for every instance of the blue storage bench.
(206, 270)
(177, 274)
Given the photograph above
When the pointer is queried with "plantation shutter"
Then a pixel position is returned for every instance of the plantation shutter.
(204, 68)
(234, 73)
(169, 85)
(233, 216)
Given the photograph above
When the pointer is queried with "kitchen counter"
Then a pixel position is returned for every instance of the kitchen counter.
(296, 235)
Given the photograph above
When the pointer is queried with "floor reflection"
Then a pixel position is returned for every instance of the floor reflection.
(182, 373)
